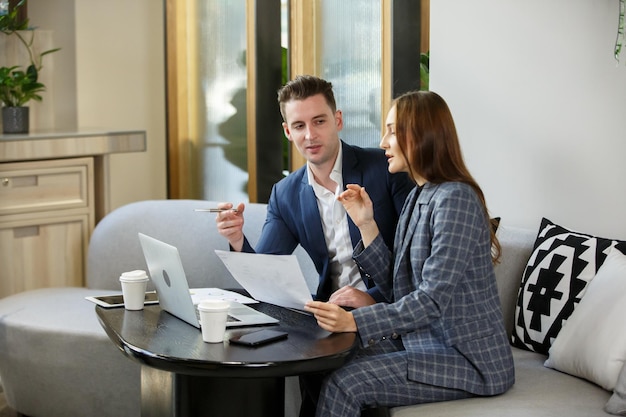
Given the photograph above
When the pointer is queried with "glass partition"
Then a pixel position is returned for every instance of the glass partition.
(221, 119)
(351, 59)
(223, 133)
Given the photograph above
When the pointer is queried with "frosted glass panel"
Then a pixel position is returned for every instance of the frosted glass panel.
(351, 60)
(221, 121)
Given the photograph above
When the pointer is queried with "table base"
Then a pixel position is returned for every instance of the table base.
(167, 394)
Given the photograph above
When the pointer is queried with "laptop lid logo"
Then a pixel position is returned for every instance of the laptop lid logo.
(166, 278)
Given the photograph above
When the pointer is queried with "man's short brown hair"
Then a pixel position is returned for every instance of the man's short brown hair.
(305, 86)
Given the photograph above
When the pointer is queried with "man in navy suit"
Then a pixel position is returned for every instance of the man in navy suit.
(303, 208)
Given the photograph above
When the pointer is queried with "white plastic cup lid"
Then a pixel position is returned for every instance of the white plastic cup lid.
(214, 305)
(136, 275)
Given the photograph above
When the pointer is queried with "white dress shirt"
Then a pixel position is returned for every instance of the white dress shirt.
(343, 269)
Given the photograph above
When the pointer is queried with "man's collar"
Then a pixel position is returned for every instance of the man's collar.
(335, 174)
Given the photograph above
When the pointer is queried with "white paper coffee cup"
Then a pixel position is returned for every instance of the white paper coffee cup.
(134, 285)
(213, 315)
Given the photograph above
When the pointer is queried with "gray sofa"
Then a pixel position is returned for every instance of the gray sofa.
(56, 361)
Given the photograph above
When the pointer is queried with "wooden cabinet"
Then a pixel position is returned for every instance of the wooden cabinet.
(54, 188)
(46, 217)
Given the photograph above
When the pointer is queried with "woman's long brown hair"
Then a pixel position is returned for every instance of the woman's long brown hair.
(426, 133)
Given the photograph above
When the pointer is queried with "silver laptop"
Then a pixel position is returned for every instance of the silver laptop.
(170, 281)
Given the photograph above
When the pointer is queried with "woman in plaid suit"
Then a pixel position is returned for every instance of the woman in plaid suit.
(441, 335)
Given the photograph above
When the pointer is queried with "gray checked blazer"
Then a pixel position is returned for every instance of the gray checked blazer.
(441, 288)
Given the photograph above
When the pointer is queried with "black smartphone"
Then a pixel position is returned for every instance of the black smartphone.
(259, 337)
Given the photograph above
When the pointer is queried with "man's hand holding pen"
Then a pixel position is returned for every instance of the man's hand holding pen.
(215, 210)
(229, 222)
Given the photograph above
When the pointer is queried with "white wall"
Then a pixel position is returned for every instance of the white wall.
(115, 58)
(121, 85)
(55, 21)
(540, 106)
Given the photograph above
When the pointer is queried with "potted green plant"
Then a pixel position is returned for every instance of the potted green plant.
(19, 85)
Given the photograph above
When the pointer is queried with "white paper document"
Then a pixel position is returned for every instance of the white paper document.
(274, 279)
(201, 294)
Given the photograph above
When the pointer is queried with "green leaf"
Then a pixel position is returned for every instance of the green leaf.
(9, 22)
(18, 86)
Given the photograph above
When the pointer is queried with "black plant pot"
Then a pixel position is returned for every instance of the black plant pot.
(15, 120)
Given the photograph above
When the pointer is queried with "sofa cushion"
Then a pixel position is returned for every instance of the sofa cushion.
(617, 403)
(538, 392)
(592, 343)
(517, 245)
(562, 264)
(57, 361)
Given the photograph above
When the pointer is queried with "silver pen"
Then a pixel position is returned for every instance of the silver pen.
(215, 210)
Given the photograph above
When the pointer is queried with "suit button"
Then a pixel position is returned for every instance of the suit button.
(371, 342)
(395, 335)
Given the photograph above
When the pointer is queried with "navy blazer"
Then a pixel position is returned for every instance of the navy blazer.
(443, 293)
(293, 217)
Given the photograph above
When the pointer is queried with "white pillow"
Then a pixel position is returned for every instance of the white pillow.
(592, 342)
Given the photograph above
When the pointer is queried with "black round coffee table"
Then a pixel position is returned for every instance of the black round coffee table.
(184, 376)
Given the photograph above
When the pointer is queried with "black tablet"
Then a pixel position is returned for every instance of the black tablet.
(117, 300)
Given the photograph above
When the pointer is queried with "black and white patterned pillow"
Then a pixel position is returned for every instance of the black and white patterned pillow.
(562, 264)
